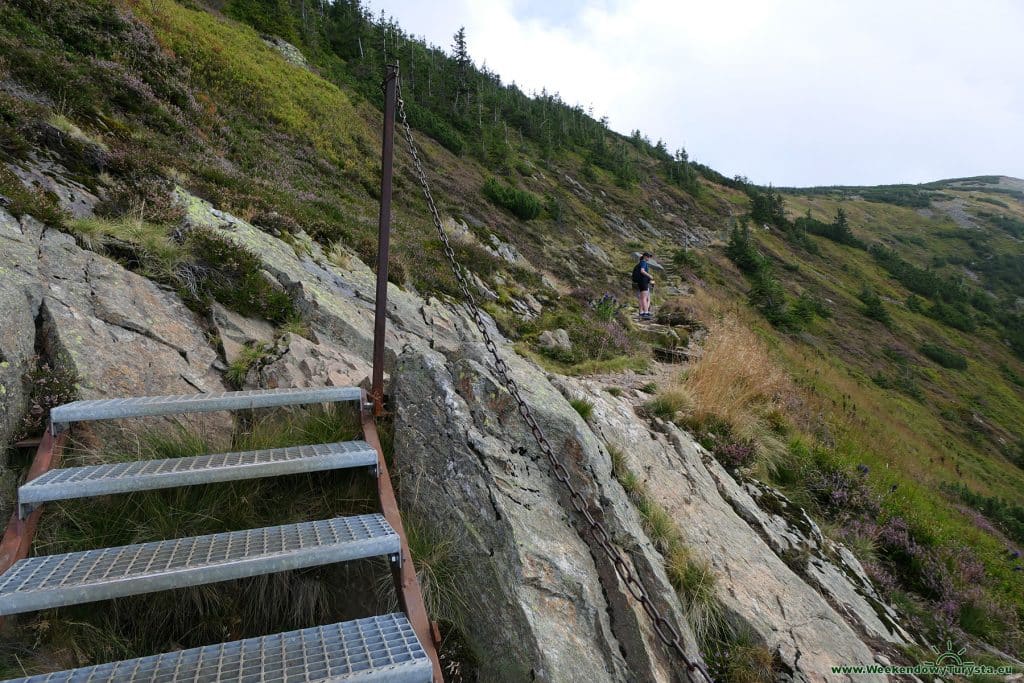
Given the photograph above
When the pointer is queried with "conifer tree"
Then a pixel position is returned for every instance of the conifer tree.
(460, 53)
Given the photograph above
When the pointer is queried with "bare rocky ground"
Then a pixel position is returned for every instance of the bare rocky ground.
(541, 597)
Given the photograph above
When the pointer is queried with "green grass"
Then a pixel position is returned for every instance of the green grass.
(294, 324)
(250, 356)
(440, 572)
(158, 256)
(231, 62)
(669, 404)
(582, 406)
(203, 266)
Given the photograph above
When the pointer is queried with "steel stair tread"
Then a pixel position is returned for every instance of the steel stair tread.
(146, 406)
(382, 648)
(86, 576)
(125, 477)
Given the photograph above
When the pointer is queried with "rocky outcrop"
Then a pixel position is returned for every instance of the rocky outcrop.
(287, 50)
(299, 362)
(118, 333)
(553, 607)
(52, 178)
(555, 339)
(236, 332)
(538, 595)
(20, 295)
(815, 616)
(545, 602)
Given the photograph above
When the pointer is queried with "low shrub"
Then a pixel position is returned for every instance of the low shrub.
(944, 357)
(234, 277)
(520, 203)
(873, 306)
(904, 381)
(49, 385)
(688, 259)
(735, 454)
(955, 315)
(1007, 515)
(33, 202)
(592, 339)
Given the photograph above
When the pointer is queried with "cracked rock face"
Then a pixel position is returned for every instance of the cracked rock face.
(553, 607)
(20, 295)
(122, 335)
(300, 362)
(812, 621)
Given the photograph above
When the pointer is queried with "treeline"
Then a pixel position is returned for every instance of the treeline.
(466, 108)
(913, 196)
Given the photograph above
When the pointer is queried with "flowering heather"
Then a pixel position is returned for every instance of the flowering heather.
(842, 495)
(735, 454)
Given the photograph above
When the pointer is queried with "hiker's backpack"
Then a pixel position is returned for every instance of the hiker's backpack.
(638, 279)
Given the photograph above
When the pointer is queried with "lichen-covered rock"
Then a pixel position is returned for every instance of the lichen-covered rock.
(826, 565)
(20, 294)
(338, 302)
(555, 609)
(723, 525)
(287, 50)
(555, 339)
(122, 335)
(236, 331)
(299, 362)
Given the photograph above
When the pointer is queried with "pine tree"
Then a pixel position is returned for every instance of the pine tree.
(460, 53)
(841, 227)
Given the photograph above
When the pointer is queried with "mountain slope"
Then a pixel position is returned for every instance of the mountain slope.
(898, 449)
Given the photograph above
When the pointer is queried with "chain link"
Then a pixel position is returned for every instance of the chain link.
(666, 631)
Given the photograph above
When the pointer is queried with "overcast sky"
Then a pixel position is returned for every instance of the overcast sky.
(790, 92)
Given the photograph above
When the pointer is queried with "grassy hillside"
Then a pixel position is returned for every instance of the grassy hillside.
(893, 340)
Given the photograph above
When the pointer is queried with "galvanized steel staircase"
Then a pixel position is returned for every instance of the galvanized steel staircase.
(381, 648)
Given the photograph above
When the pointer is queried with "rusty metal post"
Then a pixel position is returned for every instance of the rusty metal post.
(384, 238)
(407, 585)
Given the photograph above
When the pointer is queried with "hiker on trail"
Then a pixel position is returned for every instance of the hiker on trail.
(642, 283)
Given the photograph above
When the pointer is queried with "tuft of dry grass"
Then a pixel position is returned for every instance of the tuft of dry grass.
(736, 379)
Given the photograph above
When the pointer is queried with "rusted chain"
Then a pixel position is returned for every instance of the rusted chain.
(666, 631)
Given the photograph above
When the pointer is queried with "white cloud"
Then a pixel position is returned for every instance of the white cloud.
(794, 92)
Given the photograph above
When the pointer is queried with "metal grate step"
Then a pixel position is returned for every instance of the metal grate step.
(125, 477)
(383, 649)
(143, 406)
(56, 580)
